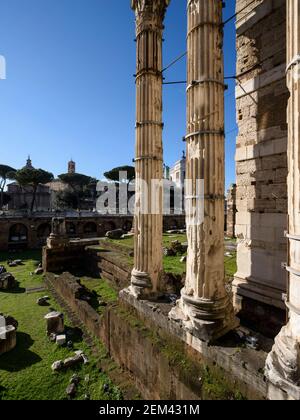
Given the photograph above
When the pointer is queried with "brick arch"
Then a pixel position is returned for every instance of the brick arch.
(18, 233)
(90, 229)
(71, 228)
(110, 225)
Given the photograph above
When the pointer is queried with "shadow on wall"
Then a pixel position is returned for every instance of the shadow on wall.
(262, 169)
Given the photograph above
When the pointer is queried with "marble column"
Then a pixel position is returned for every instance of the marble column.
(148, 267)
(283, 363)
(205, 307)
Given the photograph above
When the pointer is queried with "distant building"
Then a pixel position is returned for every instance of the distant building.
(166, 172)
(21, 197)
(178, 172)
(71, 167)
(28, 164)
(57, 186)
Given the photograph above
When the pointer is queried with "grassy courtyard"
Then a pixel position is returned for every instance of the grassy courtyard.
(174, 265)
(25, 372)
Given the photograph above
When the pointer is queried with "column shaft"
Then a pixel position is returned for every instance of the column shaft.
(149, 151)
(205, 304)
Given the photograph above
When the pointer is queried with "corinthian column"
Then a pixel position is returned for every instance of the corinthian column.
(205, 307)
(283, 363)
(147, 272)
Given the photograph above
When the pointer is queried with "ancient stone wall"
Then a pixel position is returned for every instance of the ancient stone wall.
(261, 157)
(161, 364)
(32, 232)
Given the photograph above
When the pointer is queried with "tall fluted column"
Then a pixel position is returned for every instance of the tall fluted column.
(205, 307)
(283, 363)
(148, 267)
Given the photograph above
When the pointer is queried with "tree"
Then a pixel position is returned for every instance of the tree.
(30, 177)
(81, 187)
(114, 174)
(6, 173)
(67, 200)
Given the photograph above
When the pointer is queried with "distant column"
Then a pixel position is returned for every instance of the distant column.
(283, 363)
(205, 307)
(147, 272)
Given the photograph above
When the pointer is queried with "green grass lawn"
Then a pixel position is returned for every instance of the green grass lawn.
(167, 239)
(105, 292)
(173, 264)
(25, 372)
(230, 266)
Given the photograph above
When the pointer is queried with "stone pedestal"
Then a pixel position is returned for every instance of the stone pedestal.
(55, 323)
(8, 338)
(58, 237)
(283, 363)
(205, 308)
(148, 221)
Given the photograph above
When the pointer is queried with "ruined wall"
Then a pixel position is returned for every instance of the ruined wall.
(37, 227)
(162, 366)
(261, 159)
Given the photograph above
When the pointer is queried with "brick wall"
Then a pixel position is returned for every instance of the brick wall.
(261, 155)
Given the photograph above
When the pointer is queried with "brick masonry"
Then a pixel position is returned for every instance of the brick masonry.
(261, 156)
(33, 231)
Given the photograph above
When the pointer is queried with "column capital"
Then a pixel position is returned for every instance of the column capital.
(152, 11)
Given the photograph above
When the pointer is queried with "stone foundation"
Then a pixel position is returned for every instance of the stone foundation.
(165, 362)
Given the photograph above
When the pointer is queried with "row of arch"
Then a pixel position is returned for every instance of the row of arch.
(19, 232)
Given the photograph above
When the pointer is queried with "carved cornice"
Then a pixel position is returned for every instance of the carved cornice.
(150, 11)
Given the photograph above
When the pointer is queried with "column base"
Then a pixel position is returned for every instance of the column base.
(283, 368)
(205, 319)
(141, 286)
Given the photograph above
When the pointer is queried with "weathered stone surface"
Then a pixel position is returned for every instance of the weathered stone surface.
(261, 160)
(148, 222)
(115, 234)
(43, 301)
(8, 338)
(55, 323)
(61, 339)
(283, 363)
(7, 281)
(71, 390)
(205, 308)
(57, 366)
(9, 320)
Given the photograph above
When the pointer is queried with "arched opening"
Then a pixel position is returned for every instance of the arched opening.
(18, 235)
(127, 226)
(90, 229)
(71, 229)
(110, 226)
(43, 232)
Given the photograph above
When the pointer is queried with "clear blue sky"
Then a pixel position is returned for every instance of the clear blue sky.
(70, 89)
